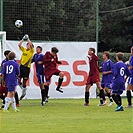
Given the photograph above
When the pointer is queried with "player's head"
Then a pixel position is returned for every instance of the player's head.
(29, 46)
(119, 56)
(11, 56)
(90, 51)
(39, 49)
(106, 55)
(6, 52)
(54, 50)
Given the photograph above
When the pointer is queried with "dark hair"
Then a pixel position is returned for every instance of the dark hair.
(107, 54)
(92, 49)
(6, 52)
(54, 50)
(11, 55)
(120, 55)
(39, 47)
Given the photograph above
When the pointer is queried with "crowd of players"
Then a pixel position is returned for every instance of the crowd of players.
(14, 74)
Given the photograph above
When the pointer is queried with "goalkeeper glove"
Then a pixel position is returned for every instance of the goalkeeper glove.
(25, 37)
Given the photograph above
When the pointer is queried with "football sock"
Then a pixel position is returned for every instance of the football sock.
(2, 97)
(43, 94)
(119, 98)
(86, 97)
(46, 90)
(129, 97)
(110, 98)
(115, 98)
(60, 80)
(7, 102)
(101, 95)
(16, 98)
(13, 102)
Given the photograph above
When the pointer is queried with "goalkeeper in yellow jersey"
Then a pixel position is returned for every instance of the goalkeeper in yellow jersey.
(25, 63)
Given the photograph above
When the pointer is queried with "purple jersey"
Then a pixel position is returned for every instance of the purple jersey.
(120, 69)
(107, 66)
(131, 64)
(11, 71)
(39, 67)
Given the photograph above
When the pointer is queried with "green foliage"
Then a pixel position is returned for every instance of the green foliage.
(113, 57)
(71, 20)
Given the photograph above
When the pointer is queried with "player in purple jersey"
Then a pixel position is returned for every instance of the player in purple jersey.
(10, 73)
(3, 96)
(107, 75)
(130, 81)
(120, 70)
(38, 59)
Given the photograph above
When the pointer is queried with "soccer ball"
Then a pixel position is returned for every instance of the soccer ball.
(18, 23)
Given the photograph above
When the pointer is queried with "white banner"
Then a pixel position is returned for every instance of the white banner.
(75, 67)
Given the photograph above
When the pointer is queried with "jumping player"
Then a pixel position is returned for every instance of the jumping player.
(25, 63)
(10, 75)
(120, 70)
(50, 61)
(38, 59)
(107, 75)
(93, 77)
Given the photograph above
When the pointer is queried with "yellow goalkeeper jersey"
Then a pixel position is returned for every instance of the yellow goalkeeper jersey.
(26, 56)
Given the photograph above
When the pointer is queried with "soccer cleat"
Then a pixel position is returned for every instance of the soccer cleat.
(16, 110)
(105, 102)
(46, 100)
(18, 105)
(128, 106)
(101, 104)
(111, 103)
(6, 111)
(2, 107)
(86, 104)
(43, 103)
(119, 108)
(23, 93)
(59, 89)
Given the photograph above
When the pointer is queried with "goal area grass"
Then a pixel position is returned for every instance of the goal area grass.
(66, 116)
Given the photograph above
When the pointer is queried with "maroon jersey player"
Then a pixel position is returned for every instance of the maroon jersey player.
(50, 61)
(93, 77)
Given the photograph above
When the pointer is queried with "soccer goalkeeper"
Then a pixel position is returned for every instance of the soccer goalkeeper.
(25, 63)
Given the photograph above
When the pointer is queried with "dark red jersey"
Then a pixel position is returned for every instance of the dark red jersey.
(50, 61)
(93, 61)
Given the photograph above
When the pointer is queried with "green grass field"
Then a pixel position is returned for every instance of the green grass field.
(66, 116)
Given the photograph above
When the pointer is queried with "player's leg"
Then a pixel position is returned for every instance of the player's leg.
(109, 96)
(60, 80)
(7, 101)
(129, 97)
(2, 96)
(17, 99)
(101, 94)
(46, 86)
(25, 74)
(87, 88)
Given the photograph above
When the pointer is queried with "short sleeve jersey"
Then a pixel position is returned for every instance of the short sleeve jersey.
(39, 67)
(120, 69)
(11, 71)
(107, 66)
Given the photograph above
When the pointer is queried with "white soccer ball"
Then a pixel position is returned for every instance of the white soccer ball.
(18, 23)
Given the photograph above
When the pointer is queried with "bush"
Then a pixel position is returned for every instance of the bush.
(113, 57)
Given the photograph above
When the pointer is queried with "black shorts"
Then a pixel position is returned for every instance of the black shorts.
(24, 72)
